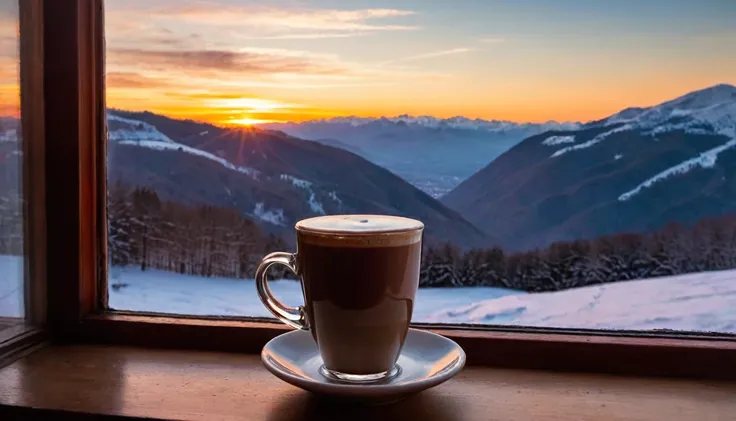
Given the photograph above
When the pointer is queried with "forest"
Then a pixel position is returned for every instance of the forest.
(195, 240)
(214, 241)
(675, 249)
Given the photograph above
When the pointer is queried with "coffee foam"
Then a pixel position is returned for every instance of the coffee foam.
(360, 230)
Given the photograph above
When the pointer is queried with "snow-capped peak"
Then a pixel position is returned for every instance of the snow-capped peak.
(704, 98)
(708, 105)
(129, 129)
(457, 122)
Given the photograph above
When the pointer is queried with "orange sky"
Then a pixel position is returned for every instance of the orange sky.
(9, 94)
(237, 61)
(241, 61)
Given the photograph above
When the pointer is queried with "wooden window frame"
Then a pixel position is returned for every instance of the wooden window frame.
(76, 262)
(28, 333)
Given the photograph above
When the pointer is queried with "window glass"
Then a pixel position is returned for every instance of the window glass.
(11, 161)
(574, 162)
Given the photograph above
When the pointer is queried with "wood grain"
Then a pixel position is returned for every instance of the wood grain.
(19, 340)
(190, 385)
(34, 159)
(73, 90)
(704, 357)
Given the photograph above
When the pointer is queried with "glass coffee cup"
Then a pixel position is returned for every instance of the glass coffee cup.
(359, 275)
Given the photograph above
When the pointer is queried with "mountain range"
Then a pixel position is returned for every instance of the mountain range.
(273, 177)
(636, 170)
(433, 154)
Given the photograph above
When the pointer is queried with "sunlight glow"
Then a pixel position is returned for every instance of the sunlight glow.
(252, 104)
(247, 121)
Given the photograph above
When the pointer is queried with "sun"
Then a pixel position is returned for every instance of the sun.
(245, 111)
(247, 121)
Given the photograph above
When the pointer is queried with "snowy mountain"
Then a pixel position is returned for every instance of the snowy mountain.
(633, 171)
(275, 178)
(457, 122)
(433, 154)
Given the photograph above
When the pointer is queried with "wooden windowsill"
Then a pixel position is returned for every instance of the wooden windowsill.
(193, 385)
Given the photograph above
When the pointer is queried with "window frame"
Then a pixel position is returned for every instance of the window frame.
(29, 332)
(33, 146)
(76, 215)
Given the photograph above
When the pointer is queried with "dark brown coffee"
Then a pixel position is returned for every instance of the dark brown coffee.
(360, 275)
(359, 302)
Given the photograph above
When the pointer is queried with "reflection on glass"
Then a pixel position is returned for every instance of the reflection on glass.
(573, 163)
(11, 215)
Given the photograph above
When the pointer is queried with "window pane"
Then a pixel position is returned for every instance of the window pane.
(574, 164)
(11, 210)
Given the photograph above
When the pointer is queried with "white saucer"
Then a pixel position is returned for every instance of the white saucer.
(426, 360)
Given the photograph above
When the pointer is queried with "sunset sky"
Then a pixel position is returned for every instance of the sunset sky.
(242, 61)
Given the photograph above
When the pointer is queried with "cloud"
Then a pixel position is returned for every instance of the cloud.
(133, 80)
(433, 54)
(493, 40)
(316, 35)
(170, 40)
(206, 95)
(217, 60)
(9, 47)
(315, 19)
(262, 105)
(217, 48)
(256, 22)
(9, 37)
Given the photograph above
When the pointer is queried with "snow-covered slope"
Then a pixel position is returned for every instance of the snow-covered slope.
(275, 178)
(636, 170)
(715, 106)
(173, 146)
(711, 110)
(305, 185)
(696, 302)
(120, 128)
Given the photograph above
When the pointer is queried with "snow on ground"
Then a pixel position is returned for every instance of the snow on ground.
(168, 292)
(272, 216)
(314, 204)
(699, 302)
(138, 130)
(558, 140)
(173, 146)
(11, 286)
(705, 159)
(601, 137)
(696, 302)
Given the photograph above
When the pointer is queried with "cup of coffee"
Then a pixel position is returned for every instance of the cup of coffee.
(359, 275)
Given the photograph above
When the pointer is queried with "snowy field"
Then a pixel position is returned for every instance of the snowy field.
(697, 302)
(11, 286)
(168, 292)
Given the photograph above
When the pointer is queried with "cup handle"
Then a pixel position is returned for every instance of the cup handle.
(292, 316)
